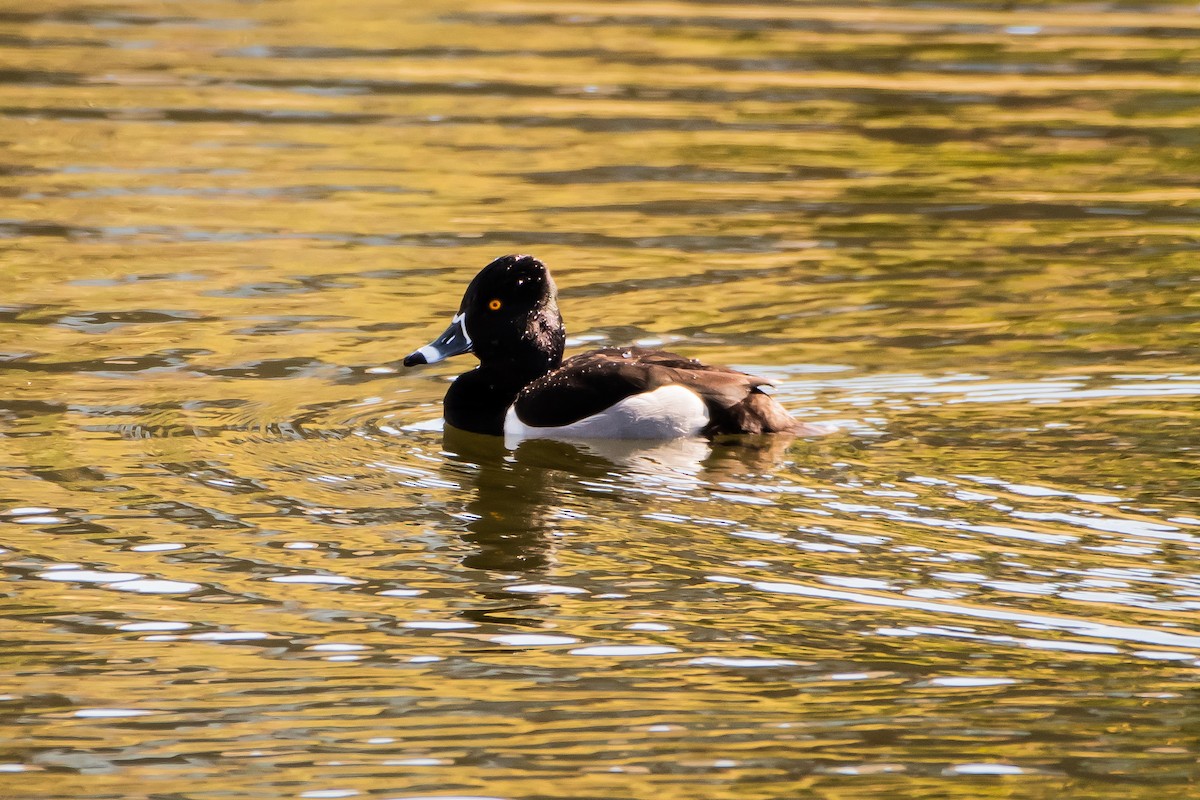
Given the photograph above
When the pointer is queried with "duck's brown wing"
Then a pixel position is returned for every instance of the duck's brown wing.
(589, 383)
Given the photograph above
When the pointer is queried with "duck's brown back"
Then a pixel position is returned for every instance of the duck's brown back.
(589, 383)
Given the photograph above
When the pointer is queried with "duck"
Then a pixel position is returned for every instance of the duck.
(522, 388)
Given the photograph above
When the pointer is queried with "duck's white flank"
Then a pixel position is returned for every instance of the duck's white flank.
(667, 413)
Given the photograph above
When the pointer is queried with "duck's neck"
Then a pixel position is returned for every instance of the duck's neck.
(478, 400)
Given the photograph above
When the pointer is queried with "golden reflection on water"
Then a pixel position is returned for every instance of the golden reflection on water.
(243, 560)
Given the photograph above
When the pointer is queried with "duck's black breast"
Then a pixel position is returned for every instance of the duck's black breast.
(589, 384)
(478, 399)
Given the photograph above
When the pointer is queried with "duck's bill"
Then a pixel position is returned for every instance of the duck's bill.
(453, 342)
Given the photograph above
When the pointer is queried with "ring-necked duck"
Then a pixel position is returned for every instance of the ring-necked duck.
(509, 318)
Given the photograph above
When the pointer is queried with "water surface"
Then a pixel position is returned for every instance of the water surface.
(242, 560)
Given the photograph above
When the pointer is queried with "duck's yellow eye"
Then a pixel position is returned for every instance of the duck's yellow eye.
(494, 304)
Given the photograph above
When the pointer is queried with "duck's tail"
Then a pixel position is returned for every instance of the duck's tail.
(757, 412)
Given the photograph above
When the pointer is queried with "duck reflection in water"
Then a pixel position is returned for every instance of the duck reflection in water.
(521, 488)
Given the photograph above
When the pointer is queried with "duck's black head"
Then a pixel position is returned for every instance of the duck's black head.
(508, 316)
